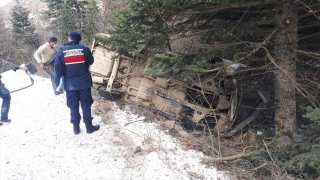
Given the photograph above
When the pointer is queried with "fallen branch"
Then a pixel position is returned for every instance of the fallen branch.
(228, 158)
(259, 166)
(273, 161)
(126, 124)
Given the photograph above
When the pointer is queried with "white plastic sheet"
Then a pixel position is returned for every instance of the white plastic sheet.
(16, 80)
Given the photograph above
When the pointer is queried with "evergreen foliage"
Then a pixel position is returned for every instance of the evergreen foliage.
(90, 26)
(23, 29)
(304, 157)
(185, 27)
(64, 16)
(229, 29)
(111, 7)
(239, 31)
(5, 41)
(53, 8)
(174, 66)
(185, 35)
(66, 21)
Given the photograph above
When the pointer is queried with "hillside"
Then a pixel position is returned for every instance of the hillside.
(34, 6)
(39, 143)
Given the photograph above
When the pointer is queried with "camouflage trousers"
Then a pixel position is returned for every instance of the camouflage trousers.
(49, 69)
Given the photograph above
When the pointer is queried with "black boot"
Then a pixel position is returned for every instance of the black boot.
(91, 128)
(1, 123)
(76, 129)
(5, 120)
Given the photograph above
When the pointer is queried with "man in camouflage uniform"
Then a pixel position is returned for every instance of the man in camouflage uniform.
(4, 92)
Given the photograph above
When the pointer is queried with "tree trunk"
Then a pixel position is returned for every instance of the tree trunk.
(286, 39)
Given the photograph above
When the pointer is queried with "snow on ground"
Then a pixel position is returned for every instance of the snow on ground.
(39, 144)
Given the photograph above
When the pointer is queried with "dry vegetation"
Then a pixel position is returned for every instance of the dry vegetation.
(239, 168)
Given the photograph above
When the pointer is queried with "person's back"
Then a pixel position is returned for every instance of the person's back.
(72, 62)
(76, 61)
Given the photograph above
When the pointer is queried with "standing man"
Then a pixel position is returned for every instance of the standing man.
(4, 92)
(45, 56)
(72, 62)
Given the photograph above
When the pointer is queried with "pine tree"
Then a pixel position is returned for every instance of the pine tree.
(53, 8)
(22, 28)
(66, 22)
(258, 33)
(65, 15)
(90, 25)
(110, 8)
(5, 42)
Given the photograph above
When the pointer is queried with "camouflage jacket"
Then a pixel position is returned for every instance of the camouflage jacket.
(5, 66)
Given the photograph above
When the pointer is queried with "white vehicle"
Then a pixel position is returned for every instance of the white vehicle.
(211, 105)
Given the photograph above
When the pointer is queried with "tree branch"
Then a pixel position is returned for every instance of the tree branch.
(310, 25)
(252, 52)
(307, 53)
(311, 35)
(228, 158)
(273, 161)
(226, 6)
(309, 9)
(301, 90)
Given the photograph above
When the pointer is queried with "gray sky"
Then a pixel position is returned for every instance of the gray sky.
(4, 2)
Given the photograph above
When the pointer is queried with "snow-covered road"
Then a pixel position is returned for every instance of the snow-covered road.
(39, 144)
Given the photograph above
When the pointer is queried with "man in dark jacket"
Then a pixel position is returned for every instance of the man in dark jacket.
(4, 92)
(72, 62)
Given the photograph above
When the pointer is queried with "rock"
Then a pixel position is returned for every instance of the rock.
(138, 149)
(169, 124)
(183, 134)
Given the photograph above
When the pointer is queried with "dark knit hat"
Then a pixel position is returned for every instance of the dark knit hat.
(75, 34)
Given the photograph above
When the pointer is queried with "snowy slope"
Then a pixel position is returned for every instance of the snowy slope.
(39, 144)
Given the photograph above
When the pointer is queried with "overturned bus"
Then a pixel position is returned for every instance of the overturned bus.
(207, 104)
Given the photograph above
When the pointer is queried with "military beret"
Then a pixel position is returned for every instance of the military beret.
(75, 34)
